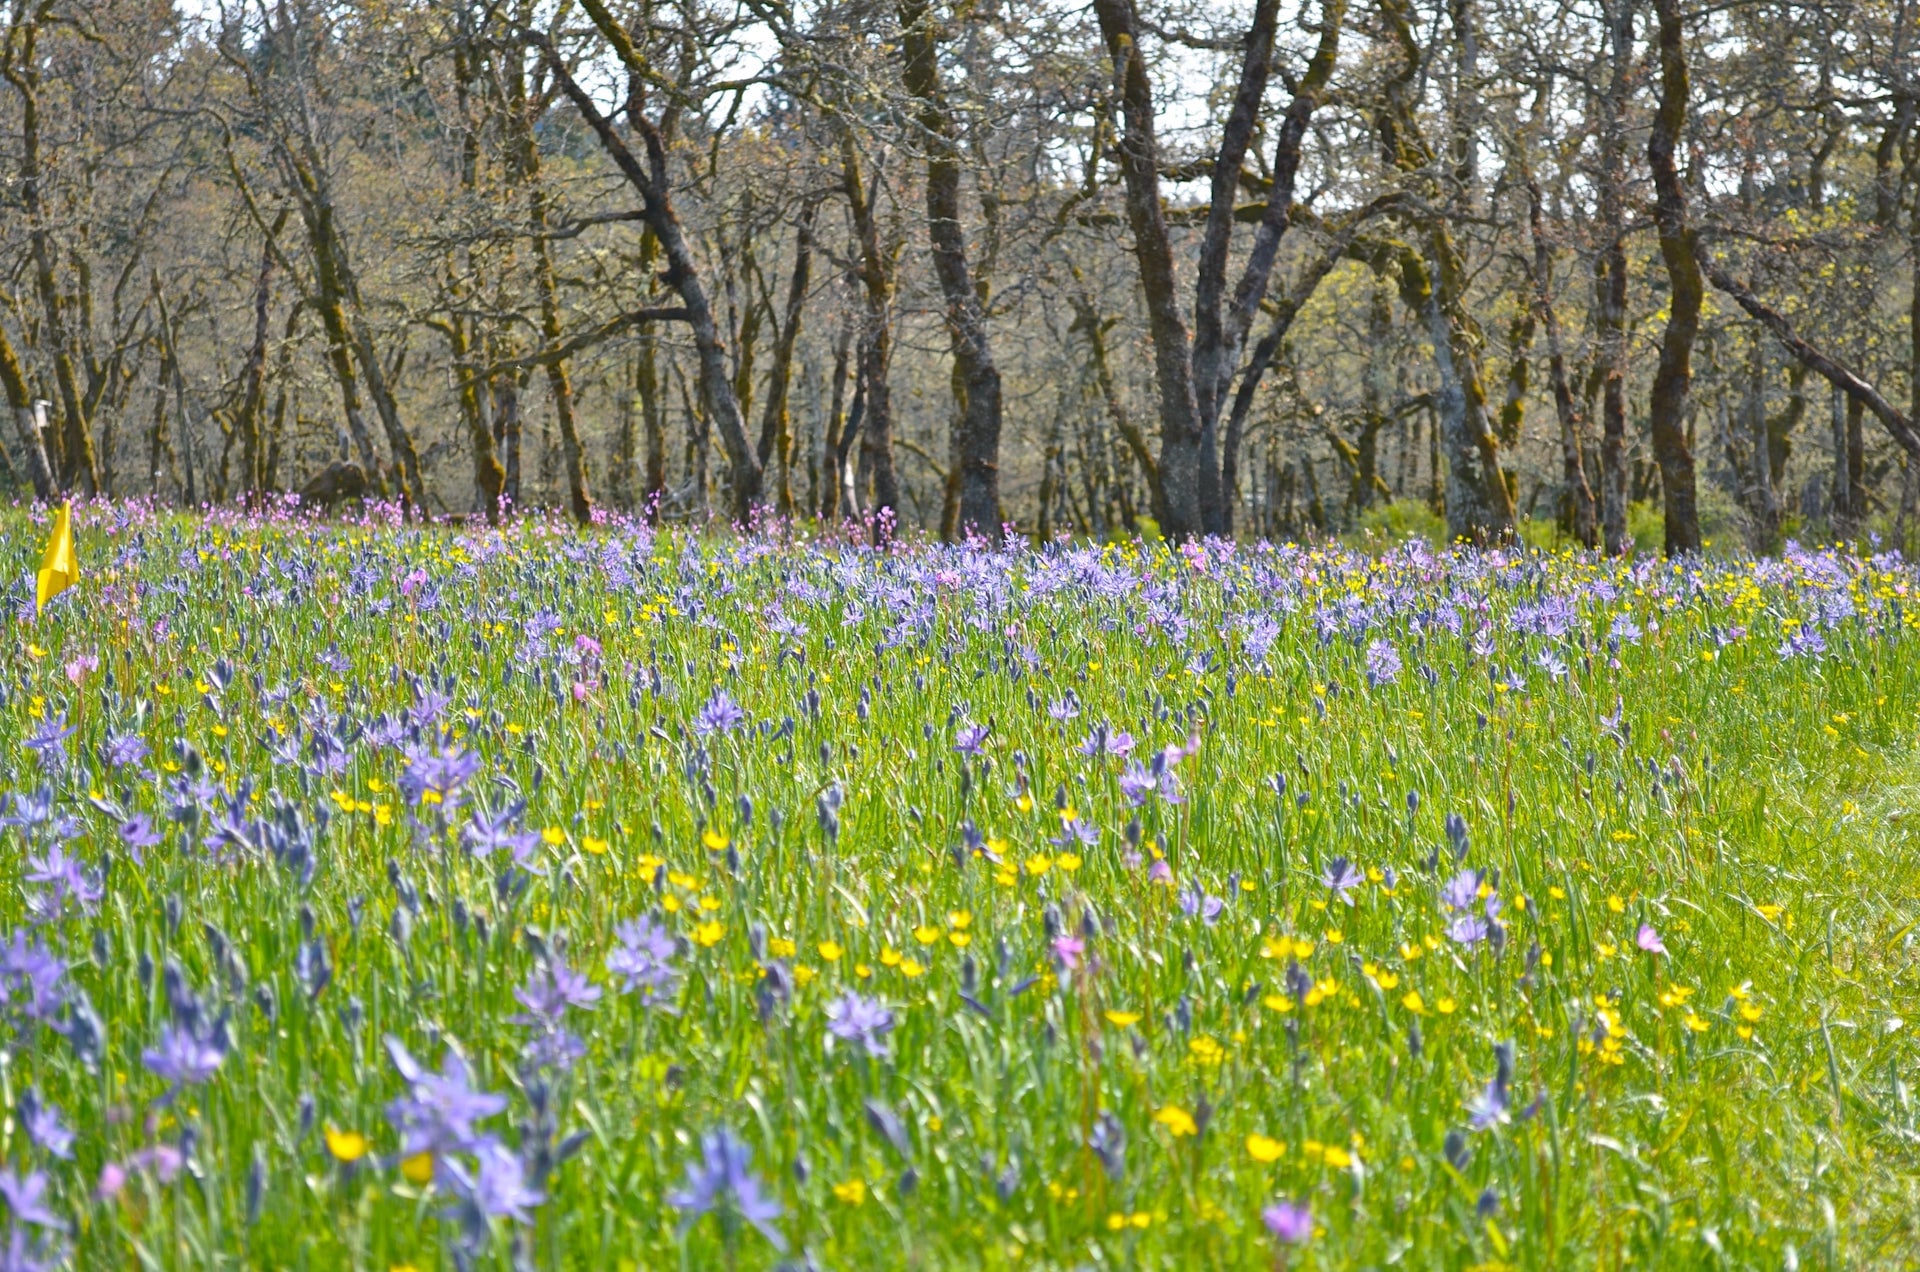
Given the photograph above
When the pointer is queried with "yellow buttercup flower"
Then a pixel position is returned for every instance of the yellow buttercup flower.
(347, 1146)
(1263, 1149)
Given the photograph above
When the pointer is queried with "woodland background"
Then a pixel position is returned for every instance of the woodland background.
(1266, 268)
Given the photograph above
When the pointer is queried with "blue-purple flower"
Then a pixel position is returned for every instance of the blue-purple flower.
(722, 1182)
(859, 1022)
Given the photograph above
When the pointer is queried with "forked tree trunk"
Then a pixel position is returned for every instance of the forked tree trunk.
(1673, 379)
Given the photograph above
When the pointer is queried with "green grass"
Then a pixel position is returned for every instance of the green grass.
(1756, 816)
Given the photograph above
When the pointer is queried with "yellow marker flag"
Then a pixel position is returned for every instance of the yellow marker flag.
(58, 570)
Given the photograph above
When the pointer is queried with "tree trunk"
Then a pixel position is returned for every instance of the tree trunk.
(776, 428)
(1179, 508)
(1573, 464)
(1479, 506)
(876, 340)
(253, 392)
(976, 441)
(1610, 281)
(1673, 379)
(653, 184)
(21, 68)
(26, 421)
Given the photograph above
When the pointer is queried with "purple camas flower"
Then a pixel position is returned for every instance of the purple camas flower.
(1068, 950)
(138, 834)
(26, 1196)
(720, 714)
(1383, 662)
(1462, 891)
(859, 1022)
(439, 774)
(1137, 784)
(126, 749)
(971, 738)
(643, 961)
(439, 1112)
(65, 879)
(44, 1127)
(497, 1186)
(1196, 903)
(1473, 919)
(551, 990)
(187, 1056)
(488, 833)
(1490, 1107)
(1288, 1221)
(49, 741)
(1805, 641)
(721, 1182)
(1341, 877)
(32, 980)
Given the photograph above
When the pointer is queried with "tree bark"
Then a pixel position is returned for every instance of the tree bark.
(77, 463)
(26, 421)
(653, 184)
(1673, 379)
(976, 375)
(1610, 280)
(876, 269)
(1573, 464)
(1179, 508)
(1479, 507)
(1836, 373)
(776, 428)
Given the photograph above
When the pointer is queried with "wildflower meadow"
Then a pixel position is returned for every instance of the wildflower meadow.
(397, 897)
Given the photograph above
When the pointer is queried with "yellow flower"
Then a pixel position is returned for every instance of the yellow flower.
(1206, 1051)
(1750, 1012)
(418, 1168)
(1770, 912)
(708, 933)
(1068, 862)
(958, 920)
(1263, 1150)
(926, 935)
(1277, 1002)
(1023, 802)
(830, 951)
(853, 1192)
(348, 1146)
(1338, 1158)
(1124, 1019)
(554, 836)
(1333, 936)
(1039, 864)
(1444, 1006)
(960, 939)
(803, 975)
(1177, 1120)
(1412, 1001)
(889, 957)
(715, 839)
(597, 847)
(1615, 904)
(911, 968)
(1694, 1023)
(781, 947)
